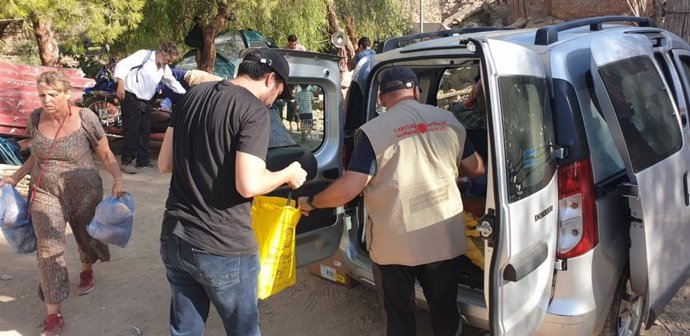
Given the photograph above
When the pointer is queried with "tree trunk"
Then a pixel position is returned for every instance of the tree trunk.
(657, 12)
(351, 34)
(3, 25)
(47, 45)
(207, 58)
(517, 9)
(334, 26)
(678, 18)
(331, 17)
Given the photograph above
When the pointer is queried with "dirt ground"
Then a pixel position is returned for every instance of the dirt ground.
(132, 295)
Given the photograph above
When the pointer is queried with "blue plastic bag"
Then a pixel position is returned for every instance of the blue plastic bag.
(14, 221)
(113, 221)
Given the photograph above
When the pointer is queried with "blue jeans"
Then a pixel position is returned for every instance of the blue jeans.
(198, 278)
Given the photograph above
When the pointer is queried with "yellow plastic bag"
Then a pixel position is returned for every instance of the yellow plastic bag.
(274, 220)
(474, 241)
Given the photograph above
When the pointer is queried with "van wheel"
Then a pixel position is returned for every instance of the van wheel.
(625, 315)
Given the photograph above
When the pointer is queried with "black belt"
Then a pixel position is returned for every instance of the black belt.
(141, 100)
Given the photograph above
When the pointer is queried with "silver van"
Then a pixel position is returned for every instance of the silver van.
(585, 208)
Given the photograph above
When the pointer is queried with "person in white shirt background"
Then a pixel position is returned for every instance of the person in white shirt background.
(138, 76)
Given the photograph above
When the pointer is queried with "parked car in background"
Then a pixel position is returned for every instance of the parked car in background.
(229, 43)
(584, 129)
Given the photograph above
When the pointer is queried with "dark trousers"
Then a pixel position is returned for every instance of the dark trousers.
(439, 281)
(136, 124)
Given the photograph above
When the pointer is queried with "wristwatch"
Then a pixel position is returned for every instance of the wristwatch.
(310, 202)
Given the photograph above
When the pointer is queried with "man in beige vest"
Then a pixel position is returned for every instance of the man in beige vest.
(407, 162)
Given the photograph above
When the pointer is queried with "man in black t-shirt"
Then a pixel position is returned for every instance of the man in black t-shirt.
(219, 132)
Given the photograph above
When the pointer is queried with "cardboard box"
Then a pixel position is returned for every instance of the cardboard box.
(334, 270)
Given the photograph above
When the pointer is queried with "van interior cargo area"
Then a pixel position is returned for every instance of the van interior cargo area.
(457, 90)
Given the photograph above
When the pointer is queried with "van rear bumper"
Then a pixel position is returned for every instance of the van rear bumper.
(572, 310)
(575, 309)
(569, 325)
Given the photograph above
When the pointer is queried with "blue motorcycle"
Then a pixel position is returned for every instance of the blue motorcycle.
(102, 100)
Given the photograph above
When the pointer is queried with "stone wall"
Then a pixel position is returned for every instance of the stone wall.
(454, 11)
(432, 11)
(569, 9)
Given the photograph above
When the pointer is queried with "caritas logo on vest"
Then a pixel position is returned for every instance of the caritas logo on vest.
(421, 128)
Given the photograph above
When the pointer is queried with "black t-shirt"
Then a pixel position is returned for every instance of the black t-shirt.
(211, 123)
(363, 159)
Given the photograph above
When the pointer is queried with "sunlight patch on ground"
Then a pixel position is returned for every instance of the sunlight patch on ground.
(5, 298)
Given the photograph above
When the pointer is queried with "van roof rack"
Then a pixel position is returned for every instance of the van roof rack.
(549, 34)
(397, 42)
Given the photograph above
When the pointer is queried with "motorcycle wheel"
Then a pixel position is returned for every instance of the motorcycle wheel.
(106, 108)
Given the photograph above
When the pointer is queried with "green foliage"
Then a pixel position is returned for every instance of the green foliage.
(275, 19)
(304, 18)
(90, 63)
(376, 19)
(163, 21)
(129, 25)
(77, 24)
(26, 52)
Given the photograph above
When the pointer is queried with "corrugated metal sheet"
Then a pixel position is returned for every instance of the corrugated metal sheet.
(18, 94)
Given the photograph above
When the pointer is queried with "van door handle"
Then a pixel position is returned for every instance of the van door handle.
(526, 263)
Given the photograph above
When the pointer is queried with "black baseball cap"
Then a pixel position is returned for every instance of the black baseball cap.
(397, 78)
(276, 62)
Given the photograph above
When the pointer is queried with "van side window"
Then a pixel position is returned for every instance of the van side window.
(299, 121)
(606, 159)
(528, 134)
(644, 110)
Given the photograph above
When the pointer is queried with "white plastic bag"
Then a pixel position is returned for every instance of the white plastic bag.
(113, 221)
(14, 221)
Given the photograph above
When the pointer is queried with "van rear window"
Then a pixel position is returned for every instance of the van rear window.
(528, 134)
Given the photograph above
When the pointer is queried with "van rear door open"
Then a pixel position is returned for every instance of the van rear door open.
(523, 187)
(646, 128)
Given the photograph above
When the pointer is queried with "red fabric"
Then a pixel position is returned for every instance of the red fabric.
(18, 95)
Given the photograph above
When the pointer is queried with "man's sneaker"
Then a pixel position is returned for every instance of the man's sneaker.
(129, 168)
(52, 326)
(86, 283)
(146, 165)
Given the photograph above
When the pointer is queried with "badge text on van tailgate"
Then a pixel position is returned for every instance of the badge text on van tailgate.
(543, 213)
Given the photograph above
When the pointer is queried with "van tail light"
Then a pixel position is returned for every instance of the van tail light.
(577, 222)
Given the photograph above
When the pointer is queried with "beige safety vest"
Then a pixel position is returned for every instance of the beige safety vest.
(413, 202)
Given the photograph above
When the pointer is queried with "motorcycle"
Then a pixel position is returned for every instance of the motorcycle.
(102, 100)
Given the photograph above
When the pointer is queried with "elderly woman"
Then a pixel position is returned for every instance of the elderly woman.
(66, 188)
